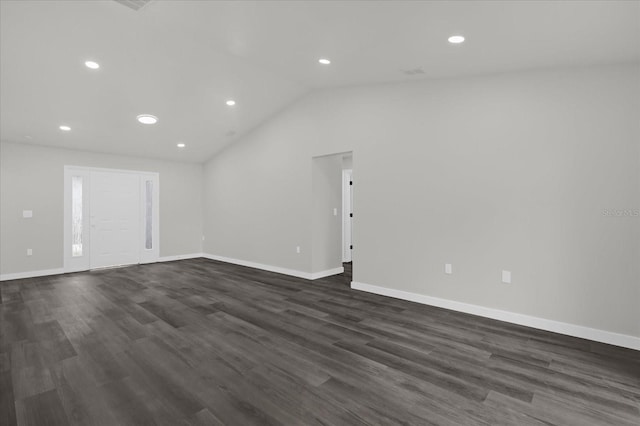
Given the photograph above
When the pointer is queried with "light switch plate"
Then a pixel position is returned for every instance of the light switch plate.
(506, 277)
(29, 252)
(27, 213)
(448, 268)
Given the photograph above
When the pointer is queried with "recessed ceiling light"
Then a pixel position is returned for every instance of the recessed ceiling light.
(65, 128)
(181, 145)
(231, 102)
(324, 61)
(147, 119)
(91, 64)
(456, 39)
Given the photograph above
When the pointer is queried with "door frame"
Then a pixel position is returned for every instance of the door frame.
(347, 220)
(83, 262)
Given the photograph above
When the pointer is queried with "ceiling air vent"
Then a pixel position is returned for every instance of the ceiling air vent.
(134, 4)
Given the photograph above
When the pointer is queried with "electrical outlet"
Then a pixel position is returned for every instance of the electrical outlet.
(29, 252)
(506, 277)
(448, 268)
(335, 211)
(298, 249)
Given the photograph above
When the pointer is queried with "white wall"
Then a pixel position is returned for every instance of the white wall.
(347, 161)
(31, 178)
(257, 199)
(509, 171)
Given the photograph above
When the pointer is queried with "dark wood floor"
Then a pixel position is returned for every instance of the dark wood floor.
(199, 342)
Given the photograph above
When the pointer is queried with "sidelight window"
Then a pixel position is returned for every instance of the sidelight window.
(148, 215)
(76, 216)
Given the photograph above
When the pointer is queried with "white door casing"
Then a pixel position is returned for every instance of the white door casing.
(120, 218)
(347, 210)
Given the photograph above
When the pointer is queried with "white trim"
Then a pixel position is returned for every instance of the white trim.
(347, 209)
(176, 257)
(103, 169)
(31, 274)
(327, 273)
(624, 340)
(277, 269)
(59, 271)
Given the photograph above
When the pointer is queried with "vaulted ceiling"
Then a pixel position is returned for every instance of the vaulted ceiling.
(182, 60)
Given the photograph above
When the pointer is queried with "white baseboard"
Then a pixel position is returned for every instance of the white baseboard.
(594, 334)
(277, 269)
(31, 274)
(178, 257)
(58, 271)
(327, 273)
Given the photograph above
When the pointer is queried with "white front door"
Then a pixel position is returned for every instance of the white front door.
(115, 219)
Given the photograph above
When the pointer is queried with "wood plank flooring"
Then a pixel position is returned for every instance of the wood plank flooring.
(199, 342)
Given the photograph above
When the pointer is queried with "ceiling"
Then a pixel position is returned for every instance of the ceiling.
(181, 60)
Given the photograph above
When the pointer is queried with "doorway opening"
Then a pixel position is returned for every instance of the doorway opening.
(111, 218)
(332, 237)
